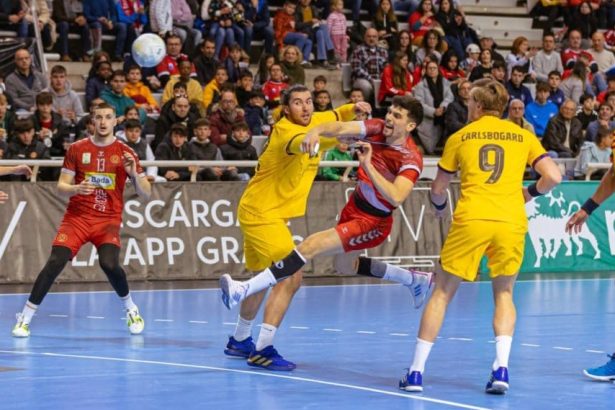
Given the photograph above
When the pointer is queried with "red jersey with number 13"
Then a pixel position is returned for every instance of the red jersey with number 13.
(103, 166)
(391, 161)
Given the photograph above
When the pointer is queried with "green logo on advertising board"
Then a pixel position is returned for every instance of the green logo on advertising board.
(548, 248)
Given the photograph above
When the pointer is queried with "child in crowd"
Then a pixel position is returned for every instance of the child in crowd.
(337, 24)
(138, 91)
(239, 148)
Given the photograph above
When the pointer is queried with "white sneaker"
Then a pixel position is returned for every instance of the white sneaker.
(21, 329)
(134, 321)
(233, 291)
(420, 286)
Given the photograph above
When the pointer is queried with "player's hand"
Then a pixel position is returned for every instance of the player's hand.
(364, 152)
(85, 188)
(310, 144)
(23, 170)
(130, 165)
(3, 197)
(362, 107)
(576, 221)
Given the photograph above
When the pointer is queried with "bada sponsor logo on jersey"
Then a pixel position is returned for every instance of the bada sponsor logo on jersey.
(101, 180)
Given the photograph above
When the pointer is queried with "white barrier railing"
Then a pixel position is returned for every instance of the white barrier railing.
(430, 165)
(593, 167)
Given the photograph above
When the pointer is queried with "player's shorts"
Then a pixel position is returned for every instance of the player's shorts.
(502, 242)
(75, 231)
(362, 226)
(264, 241)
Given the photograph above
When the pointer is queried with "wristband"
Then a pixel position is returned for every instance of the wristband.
(440, 207)
(590, 206)
(532, 189)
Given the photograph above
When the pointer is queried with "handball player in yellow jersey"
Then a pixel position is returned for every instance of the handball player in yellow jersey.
(491, 155)
(278, 192)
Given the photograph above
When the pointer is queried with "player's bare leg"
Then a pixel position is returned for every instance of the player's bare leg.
(504, 318)
(433, 316)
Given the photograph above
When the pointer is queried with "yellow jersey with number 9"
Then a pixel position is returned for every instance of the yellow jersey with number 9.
(282, 183)
(491, 155)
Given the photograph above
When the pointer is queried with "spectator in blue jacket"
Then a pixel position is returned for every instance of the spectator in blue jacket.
(102, 18)
(257, 24)
(516, 90)
(540, 111)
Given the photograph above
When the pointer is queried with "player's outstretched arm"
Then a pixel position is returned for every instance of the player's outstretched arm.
(604, 190)
(343, 131)
(16, 170)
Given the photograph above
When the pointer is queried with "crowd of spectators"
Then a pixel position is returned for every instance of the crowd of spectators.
(212, 103)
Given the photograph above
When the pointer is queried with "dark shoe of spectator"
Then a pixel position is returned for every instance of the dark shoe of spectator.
(306, 64)
(325, 64)
(66, 58)
(118, 59)
(86, 59)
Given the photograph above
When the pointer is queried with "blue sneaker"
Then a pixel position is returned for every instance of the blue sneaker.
(604, 373)
(412, 382)
(270, 359)
(239, 349)
(498, 382)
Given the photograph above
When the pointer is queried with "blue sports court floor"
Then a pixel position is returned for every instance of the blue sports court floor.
(351, 344)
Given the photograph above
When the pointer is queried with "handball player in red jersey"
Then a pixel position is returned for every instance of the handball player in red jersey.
(93, 175)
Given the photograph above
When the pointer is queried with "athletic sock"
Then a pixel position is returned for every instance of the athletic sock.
(243, 329)
(378, 269)
(28, 311)
(265, 337)
(502, 351)
(397, 274)
(259, 282)
(421, 353)
(128, 303)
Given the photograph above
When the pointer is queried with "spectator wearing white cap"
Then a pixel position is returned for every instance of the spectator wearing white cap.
(471, 60)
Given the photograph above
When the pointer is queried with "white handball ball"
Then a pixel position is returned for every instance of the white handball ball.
(148, 50)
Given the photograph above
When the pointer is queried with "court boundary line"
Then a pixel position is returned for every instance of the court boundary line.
(352, 285)
(251, 373)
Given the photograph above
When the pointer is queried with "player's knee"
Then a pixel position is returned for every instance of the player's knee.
(110, 266)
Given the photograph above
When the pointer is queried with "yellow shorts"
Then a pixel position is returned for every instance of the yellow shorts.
(264, 242)
(503, 244)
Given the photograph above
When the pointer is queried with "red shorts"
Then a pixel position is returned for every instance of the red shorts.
(359, 229)
(75, 231)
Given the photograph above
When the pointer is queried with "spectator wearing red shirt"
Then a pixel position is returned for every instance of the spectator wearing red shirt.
(274, 86)
(396, 79)
(169, 66)
(421, 21)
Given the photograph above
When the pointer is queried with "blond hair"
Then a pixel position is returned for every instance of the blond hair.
(491, 95)
(335, 3)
